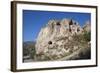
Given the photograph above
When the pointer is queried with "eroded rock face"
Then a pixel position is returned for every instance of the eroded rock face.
(87, 26)
(56, 39)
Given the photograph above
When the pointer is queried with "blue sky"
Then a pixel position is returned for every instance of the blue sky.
(33, 21)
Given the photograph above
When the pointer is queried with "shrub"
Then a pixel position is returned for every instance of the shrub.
(87, 36)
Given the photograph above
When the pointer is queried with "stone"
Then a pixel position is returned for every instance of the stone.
(54, 39)
(87, 26)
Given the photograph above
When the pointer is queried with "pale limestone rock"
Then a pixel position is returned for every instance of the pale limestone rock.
(87, 26)
(54, 38)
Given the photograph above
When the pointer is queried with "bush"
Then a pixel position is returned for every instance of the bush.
(87, 36)
(32, 53)
(29, 49)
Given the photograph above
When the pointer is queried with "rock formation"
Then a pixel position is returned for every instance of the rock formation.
(61, 40)
(87, 26)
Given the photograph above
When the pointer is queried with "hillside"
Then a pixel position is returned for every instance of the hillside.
(60, 40)
(63, 40)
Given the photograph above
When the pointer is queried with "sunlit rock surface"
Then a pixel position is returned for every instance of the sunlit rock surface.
(62, 40)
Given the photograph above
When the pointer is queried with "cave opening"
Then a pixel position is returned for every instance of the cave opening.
(78, 30)
(71, 22)
(58, 24)
(50, 42)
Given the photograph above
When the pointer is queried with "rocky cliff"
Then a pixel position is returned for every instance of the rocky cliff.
(62, 40)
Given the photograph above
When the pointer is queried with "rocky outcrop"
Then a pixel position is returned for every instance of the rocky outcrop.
(59, 40)
(87, 26)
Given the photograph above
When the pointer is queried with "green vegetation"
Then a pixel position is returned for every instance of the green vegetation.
(82, 41)
(87, 36)
(29, 49)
